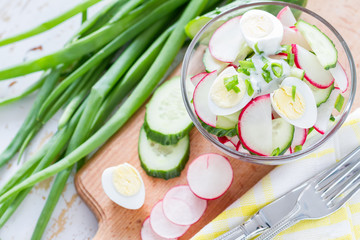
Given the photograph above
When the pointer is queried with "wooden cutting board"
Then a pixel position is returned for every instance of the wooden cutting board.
(118, 223)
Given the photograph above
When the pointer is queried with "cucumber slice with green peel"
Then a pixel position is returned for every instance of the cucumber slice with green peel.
(219, 132)
(320, 95)
(166, 120)
(163, 161)
(321, 44)
(212, 64)
(297, 72)
(282, 135)
(227, 121)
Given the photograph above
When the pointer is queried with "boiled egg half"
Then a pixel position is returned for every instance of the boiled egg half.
(262, 31)
(295, 103)
(124, 186)
(223, 100)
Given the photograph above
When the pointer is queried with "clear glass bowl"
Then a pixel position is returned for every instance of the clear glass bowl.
(192, 64)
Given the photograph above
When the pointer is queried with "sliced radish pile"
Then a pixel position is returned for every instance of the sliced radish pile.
(227, 41)
(148, 234)
(286, 17)
(197, 78)
(255, 126)
(293, 36)
(324, 112)
(314, 71)
(163, 226)
(299, 138)
(200, 97)
(209, 176)
(340, 77)
(182, 207)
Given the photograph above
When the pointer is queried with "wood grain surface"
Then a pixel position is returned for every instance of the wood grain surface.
(118, 223)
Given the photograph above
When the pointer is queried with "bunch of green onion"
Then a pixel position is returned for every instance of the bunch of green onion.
(124, 50)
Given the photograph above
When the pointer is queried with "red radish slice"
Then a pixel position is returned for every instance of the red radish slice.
(182, 207)
(324, 112)
(163, 226)
(286, 17)
(293, 36)
(255, 126)
(197, 78)
(299, 138)
(200, 97)
(314, 71)
(209, 176)
(148, 234)
(227, 41)
(235, 141)
(341, 79)
(223, 139)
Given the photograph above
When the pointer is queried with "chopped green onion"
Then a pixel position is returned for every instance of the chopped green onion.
(298, 148)
(257, 50)
(249, 87)
(246, 64)
(286, 49)
(266, 76)
(264, 68)
(310, 130)
(231, 83)
(264, 59)
(290, 59)
(293, 92)
(276, 152)
(332, 118)
(339, 103)
(244, 71)
(277, 69)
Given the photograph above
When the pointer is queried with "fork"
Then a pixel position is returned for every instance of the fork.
(324, 194)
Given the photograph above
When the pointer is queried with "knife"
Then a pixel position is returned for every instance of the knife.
(266, 217)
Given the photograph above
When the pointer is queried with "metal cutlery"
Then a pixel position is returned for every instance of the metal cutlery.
(316, 198)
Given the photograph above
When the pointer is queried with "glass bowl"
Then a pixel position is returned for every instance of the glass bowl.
(195, 51)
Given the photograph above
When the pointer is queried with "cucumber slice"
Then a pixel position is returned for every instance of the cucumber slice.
(219, 132)
(163, 161)
(297, 72)
(212, 64)
(320, 95)
(227, 121)
(166, 120)
(321, 44)
(282, 135)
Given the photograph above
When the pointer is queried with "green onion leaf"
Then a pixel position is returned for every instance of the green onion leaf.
(244, 71)
(264, 68)
(266, 76)
(332, 118)
(276, 152)
(277, 69)
(249, 87)
(231, 83)
(257, 50)
(298, 148)
(293, 92)
(339, 103)
(290, 59)
(246, 64)
(286, 49)
(264, 59)
(310, 130)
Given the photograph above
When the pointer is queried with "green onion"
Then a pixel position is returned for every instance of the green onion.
(246, 64)
(286, 49)
(244, 71)
(266, 75)
(332, 118)
(129, 107)
(275, 152)
(277, 69)
(339, 102)
(290, 59)
(264, 68)
(264, 59)
(231, 83)
(293, 93)
(249, 87)
(298, 148)
(257, 50)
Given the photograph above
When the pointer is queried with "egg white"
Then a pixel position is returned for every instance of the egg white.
(135, 201)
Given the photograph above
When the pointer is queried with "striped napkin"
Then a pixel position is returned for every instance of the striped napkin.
(343, 224)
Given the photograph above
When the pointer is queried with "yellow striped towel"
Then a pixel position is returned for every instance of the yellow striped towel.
(343, 224)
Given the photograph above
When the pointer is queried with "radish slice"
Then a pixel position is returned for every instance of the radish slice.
(227, 41)
(235, 141)
(286, 17)
(197, 78)
(299, 138)
(209, 176)
(324, 112)
(293, 36)
(340, 77)
(182, 207)
(200, 97)
(223, 139)
(314, 71)
(148, 234)
(163, 226)
(255, 126)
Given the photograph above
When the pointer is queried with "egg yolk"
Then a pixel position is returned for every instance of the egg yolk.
(126, 180)
(223, 97)
(286, 105)
(257, 26)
